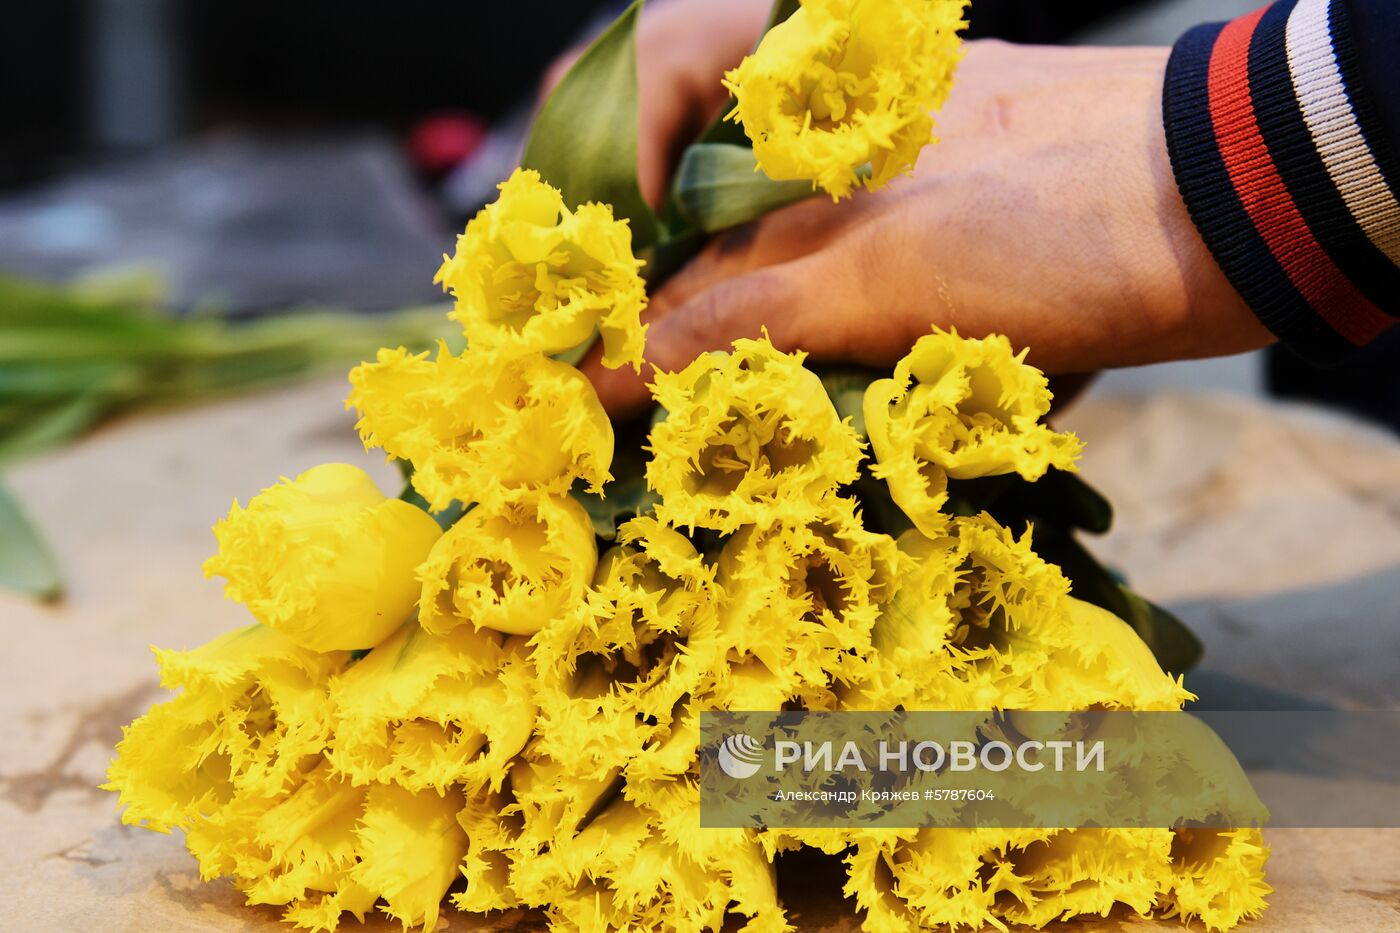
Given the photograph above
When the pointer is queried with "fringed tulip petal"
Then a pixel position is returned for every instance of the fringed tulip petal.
(250, 715)
(803, 604)
(410, 845)
(1218, 876)
(994, 627)
(433, 712)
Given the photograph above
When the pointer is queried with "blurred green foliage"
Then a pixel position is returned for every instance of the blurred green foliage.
(71, 357)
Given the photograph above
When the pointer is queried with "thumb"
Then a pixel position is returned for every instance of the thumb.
(710, 319)
(730, 308)
(819, 303)
(622, 391)
(815, 304)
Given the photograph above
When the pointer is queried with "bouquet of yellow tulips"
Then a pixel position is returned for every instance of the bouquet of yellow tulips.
(487, 690)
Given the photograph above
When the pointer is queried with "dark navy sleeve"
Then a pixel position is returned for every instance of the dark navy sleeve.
(1282, 129)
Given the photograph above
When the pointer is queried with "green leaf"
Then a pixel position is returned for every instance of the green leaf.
(845, 386)
(985, 494)
(69, 358)
(671, 252)
(718, 185)
(574, 355)
(878, 508)
(48, 378)
(1174, 645)
(584, 141)
(781, 10)
(1058, 500)
(1067, 498)
(53, 426)
(680, 236)
(31, 304)
(721, 131)
(25, 562)
(621, 501)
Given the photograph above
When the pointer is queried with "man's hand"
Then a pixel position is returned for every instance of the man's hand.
(1048, 212)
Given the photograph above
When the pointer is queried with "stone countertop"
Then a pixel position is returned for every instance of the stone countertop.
(1275, 531)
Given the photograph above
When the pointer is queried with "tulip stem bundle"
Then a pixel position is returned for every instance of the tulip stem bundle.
(500, 708)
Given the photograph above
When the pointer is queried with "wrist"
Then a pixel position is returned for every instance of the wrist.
(1206, 315)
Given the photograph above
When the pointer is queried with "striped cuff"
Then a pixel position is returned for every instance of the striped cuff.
(1286, 174)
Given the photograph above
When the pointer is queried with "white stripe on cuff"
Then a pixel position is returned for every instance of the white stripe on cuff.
(1317, 83)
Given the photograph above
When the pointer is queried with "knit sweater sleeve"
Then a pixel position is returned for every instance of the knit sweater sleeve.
(1282, 128)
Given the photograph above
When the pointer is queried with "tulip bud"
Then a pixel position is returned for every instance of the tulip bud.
(326, 559)
(251, 709)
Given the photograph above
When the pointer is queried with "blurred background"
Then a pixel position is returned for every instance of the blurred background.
(241, 160)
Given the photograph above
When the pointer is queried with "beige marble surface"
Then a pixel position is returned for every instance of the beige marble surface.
(1225, 507)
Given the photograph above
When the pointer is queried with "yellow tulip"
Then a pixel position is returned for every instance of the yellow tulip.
(300, 853)
(410, 846)
(994, 877)
(992, 626)
(531, 275)
(479, 427)
(842, 84)
(750, 437)
(535, 728)
(1218, 876)
(990, 877)
(510, 567)
(326, 559)
(252, 710)
(802, 603)
(433, 711)
(625, 871)
(649, 592)
(960, 408)
(612, 674)
(329, 847)
(552, 800)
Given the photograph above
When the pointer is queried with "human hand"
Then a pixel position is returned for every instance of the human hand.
(1048, 212)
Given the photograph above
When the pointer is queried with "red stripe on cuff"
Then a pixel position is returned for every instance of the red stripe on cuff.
(1265, 196)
